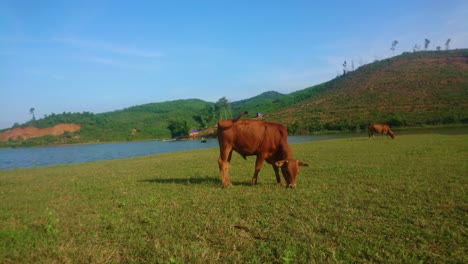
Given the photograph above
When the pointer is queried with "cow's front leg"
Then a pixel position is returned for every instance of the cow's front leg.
(278, 177)
(224, 172)
(258, 166)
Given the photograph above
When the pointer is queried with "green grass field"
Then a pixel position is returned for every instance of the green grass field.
(379, 201)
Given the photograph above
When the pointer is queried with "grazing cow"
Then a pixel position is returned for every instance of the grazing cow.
(268, 141)
(380, 129)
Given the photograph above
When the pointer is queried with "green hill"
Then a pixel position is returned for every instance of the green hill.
(148, 121)
(412, 89)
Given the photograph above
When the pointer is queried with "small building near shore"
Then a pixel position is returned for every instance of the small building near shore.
(194, 133)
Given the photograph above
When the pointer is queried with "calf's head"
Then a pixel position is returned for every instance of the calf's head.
(289, 168)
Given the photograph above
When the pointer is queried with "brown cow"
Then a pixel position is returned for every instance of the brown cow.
(380, 129)
(268, 141)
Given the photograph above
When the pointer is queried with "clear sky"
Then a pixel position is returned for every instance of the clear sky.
(99, 56)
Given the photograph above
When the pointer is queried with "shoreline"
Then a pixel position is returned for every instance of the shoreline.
(318, 133)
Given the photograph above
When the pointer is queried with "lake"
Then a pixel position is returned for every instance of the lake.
(48, 156)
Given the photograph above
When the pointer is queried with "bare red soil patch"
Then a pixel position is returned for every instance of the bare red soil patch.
(33, 132)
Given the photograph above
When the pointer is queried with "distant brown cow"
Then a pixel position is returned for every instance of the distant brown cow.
(268, 141)
(380, 129)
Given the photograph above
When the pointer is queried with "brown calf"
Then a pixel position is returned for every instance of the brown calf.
(380, 129)
(268, 141)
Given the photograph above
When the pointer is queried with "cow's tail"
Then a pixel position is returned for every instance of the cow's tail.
(225, 124)
(239, 116)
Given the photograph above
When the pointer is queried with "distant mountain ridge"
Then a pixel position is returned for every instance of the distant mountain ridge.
(262, 103)
(412, 89)
(270, 95)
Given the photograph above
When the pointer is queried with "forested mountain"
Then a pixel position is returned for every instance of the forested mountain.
(412, 89)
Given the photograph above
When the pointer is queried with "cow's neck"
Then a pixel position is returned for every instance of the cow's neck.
(287, 153)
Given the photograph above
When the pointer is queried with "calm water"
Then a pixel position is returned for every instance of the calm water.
(47, 156)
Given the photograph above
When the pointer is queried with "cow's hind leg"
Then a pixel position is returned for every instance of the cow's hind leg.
(258, 166)
(223, 163)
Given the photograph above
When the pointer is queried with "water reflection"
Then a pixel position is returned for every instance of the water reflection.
(47, 156)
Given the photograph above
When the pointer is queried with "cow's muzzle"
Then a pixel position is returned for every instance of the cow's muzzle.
(291, 186)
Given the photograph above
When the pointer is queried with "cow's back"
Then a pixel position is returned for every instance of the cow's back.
(383, 129)
(377, 128)
(249, 137)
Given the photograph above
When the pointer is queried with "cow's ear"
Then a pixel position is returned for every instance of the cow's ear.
(300, 163)
(280, 163)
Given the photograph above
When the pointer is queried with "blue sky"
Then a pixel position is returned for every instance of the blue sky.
(99, 56)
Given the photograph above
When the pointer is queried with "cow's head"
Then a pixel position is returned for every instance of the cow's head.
(290, 167)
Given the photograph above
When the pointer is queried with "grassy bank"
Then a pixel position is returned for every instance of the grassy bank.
(393, 201)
